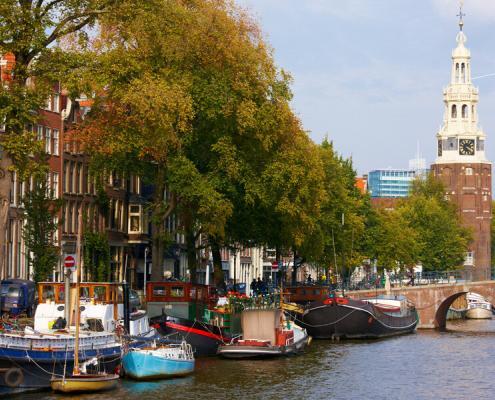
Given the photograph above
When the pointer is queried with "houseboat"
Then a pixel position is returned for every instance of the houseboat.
(192, 312)
(266, 333)
(101, 305)
(345, 318)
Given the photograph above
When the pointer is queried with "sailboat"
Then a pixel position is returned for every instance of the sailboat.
(80, 380)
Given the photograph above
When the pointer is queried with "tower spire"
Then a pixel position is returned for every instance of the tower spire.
(461, 14)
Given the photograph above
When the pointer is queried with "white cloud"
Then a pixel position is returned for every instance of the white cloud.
(478, 10)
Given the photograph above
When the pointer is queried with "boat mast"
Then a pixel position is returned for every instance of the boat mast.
(76, 370)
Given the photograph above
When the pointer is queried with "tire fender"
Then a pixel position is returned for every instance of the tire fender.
(13, 377)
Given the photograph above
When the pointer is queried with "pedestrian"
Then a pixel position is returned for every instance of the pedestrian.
(254, 287)
(261, 286)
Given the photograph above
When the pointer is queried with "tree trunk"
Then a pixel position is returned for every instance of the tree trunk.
(217, 263)
(157, 227)
(192, 262)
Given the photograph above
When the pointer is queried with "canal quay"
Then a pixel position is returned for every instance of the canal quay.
(455, 364)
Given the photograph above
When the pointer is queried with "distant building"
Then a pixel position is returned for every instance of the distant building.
(393, 183)
(361, 183)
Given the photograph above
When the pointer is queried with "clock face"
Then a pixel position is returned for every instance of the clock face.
(466, 147)
(439, 148)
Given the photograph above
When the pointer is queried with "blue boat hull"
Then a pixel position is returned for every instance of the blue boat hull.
(35, 368)
(140, 365)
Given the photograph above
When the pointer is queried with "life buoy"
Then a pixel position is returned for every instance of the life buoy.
(13, 377)
(341, 300)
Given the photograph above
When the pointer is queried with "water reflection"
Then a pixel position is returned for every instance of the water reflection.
(457, 363)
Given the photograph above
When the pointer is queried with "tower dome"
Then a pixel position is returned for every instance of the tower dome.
(461, 51)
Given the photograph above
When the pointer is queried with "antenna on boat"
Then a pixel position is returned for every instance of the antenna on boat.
(335, 255)
(343, 257)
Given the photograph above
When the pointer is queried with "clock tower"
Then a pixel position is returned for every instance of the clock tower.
(461, 162)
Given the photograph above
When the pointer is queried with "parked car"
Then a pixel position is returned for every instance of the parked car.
(18, 296)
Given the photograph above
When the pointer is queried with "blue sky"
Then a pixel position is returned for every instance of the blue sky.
(370, 73)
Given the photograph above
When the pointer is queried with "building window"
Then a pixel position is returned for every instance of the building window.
(454, 111)
(55, 142)
(464, 111)
(48, 189)
(13, 188)
(49, 103)
(55, 185)
(135, 186)
(40, 133)
(56, 102)
(134, 218)
(76, 178)
(457, 72)
(468, 171)
(55, 234)
(463, 73)
(69, 217)
(469, 258)
(76, 218)
(71, 178)
(48, 140)
(81, 178)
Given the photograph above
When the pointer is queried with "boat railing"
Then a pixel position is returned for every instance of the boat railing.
(98, 292)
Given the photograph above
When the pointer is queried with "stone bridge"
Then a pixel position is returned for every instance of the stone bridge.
(433, 301)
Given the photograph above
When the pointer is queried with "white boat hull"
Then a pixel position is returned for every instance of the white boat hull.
(478, 313)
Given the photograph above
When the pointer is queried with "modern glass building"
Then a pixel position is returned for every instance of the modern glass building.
(391, 182)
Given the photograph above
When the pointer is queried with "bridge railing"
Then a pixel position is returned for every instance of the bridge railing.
(403, 279)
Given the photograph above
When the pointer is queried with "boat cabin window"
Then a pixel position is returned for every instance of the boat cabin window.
(100, 293)
(177, 291)
(48, 293)
(61, 294)
(159, 291)
(84, 292)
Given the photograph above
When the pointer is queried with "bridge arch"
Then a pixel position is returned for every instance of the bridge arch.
(433, 301)
(443, 308)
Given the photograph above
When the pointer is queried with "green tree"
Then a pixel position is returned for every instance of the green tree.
(397, 244)
(437, 222)
(40, 209)
(30, 32)
(96, 257)
(340, 229)
(192, 95)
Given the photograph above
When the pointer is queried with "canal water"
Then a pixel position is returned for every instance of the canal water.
(456, 364)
